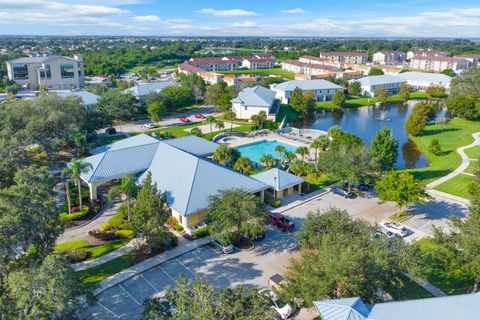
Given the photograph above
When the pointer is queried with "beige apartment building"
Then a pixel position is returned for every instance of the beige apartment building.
(346, 57)
(52, 72)
(427, 53)
(438, 64)
(389, 58)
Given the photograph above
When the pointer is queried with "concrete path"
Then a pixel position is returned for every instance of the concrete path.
(105, 258)
(149, 263)
(431, 288)
(463, 166)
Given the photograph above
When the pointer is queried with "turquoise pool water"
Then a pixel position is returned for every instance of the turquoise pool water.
(254, 151)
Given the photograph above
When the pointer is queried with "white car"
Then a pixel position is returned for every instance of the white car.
(283, 309)
(149, 125)
(224, 247)
(395, 228)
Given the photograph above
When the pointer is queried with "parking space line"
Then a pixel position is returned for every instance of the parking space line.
(129, 295)
(196, 255)
(168, 275)
(108, 310)
(149, 283)
(183, 265)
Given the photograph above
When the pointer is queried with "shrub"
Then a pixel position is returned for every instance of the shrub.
(178, 227)
(200, 233)
(126, 234)
(120, 222)
(75, 215)
(162, 241)
(435, 147)
(106, 227)
(103, 235)
(77, 255)
(172, 221)
(269, 199)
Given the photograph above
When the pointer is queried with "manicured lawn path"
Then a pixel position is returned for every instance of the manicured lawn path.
(179, 130)
(473, 165)
(273, 72)
(458, 186)
(95, 251)
(473, 153)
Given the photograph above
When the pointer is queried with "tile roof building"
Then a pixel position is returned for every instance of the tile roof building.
(346, 57)
(389, 58)
(438, 64)
(427, 53)
(459, 307)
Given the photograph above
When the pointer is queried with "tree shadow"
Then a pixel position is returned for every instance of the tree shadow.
(431, 132)
(429, 174)
(437, 210)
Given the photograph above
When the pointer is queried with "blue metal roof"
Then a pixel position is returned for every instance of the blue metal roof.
(193, 145)
(464, 307)
(141, 90)
(134, 141)
(87, 98)
(379, 80)
(305, 85)
(277, 179)
(425, 76)
(257, 96)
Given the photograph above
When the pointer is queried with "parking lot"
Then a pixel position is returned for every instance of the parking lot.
(252, 268)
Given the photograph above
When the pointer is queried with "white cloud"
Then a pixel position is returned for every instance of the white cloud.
(150, 18)
(244, 24)
(295, 11)
(229, 13)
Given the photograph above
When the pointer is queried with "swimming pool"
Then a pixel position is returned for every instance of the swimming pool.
(254, 151)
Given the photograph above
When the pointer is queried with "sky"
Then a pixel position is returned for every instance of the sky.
(332, 18)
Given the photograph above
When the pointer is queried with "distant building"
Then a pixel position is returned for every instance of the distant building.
(215, 64)
(389, 58)
(427, 53)
(96, 81)
(52, 72)
(346, 57)
(438, 64)
(372, 83)
(313, 60)
(461, 307)
(323, 90)
(311, 69)
(88, 99)
(423, 80)
(252, 101)
(474, 59)
(141, 90)
(258, 61)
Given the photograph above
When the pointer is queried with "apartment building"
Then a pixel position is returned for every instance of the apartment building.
(294, 66)
(389, 58)
(215, 64)
(257, 63)
(252, 101)
(345, 57)
(423, 80)
(323, 90)
(372, 83)
(313, 60)
(52, 72)
(474, 59)
(438, 64)
(310, 69)
(427, 53)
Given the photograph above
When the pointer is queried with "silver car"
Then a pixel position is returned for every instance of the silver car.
(395, 228)
(223, 246)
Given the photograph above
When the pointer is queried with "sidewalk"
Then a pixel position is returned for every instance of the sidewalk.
(149, 263)
(105, 258)
(430, 287)
(301, 200)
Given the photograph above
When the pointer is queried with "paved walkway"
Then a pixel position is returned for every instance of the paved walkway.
(463, 166)
(149, 263)
(431, 288)
(105, 258)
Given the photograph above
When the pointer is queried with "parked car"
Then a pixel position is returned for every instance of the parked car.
(388, 234)
(199, 116)
(110, 130)
(149, 125)
(395, 228)
(223, 246)
(283, 309)
(343, 193)
(184, 119)
(359, 187)
(281, 221)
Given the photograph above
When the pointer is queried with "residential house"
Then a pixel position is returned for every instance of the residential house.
(427, 53)
(179, 167)
(252, 101)
(423, 80)
(51, 72)
(346, 57)
(474, 59)
(389, 58)
(323, 90)
(438, 64)
(371, 83)
(141, 90)
(88, 99)
(456, 307)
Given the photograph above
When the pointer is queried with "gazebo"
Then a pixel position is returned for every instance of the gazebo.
(283, 183)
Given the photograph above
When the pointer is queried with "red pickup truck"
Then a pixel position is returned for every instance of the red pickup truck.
(280, 221)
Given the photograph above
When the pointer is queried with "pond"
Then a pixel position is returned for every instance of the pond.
(365, 121)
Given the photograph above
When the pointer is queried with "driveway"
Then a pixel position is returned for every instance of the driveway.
(252, 268)
(172, 120)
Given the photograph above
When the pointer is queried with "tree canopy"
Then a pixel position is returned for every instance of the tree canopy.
(384, 149)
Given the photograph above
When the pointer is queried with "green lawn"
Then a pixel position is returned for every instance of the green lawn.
(449, 281)
(410, 290)
(139, 67)
(95, 251)
(457, 186)
(359, 101)
(473, 153)
(288, 111)
(104, 139)
(318, 181)
(457, 133)
(274, 72)
(103, 271)
(473, 165)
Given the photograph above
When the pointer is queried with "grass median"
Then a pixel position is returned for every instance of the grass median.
(103, 271)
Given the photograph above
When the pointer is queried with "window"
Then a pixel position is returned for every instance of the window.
(47, 73)
(20, 72)
(66, 71)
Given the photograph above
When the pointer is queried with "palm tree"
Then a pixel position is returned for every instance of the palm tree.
(298, 168)
(302, 151)
(280, 150)
(267, 160)
(315, 145)
(129, 188)
(221, 154)
(289, 156)
(320, 143)
(79, 166)
(219, 124)
(243, 165)
(210, 120)
(230, 116)
(79, 141)
(67, 172)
